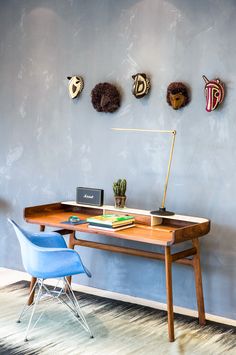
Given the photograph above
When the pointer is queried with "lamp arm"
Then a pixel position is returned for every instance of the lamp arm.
(168, 169)
(144, 130)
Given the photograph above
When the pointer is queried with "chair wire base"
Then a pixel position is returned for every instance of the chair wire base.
(64, 294)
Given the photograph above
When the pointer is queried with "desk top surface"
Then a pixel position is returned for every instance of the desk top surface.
(170, 231)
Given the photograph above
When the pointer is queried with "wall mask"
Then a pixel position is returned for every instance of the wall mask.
(177, 95)
(214, 92)
(105, 97)
(76, 85)
(141, 85)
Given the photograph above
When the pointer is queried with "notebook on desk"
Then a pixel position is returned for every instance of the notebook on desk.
(111, 229)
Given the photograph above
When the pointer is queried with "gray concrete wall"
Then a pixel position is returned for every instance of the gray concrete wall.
(50, 144)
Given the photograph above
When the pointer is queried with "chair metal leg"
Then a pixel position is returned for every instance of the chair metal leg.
(33, 310)
(73, 307)
(71, 303)
(26, 306)
(70, 297)
(79, 312)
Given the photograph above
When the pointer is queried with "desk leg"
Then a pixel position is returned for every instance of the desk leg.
(33, 279)
(168, 265)
(198, 283)
(31, 297)
(71, 246)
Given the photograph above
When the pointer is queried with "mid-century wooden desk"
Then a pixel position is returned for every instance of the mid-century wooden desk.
(154, 230)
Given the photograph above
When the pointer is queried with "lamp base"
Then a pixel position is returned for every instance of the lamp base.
(162, 212)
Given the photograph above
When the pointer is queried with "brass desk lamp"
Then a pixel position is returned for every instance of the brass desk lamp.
(162, 210)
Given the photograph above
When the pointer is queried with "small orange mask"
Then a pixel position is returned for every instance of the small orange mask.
(177, 95)
(177, 100)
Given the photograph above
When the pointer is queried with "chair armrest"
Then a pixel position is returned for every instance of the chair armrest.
(56, 262)
(45, 255)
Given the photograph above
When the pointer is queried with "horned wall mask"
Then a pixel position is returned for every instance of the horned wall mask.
(214, 92)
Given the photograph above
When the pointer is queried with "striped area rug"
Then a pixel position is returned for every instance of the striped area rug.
(119, 328)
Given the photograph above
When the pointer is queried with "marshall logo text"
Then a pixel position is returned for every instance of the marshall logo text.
(89, 196)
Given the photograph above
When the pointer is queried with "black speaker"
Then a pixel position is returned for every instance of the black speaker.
(89, 196)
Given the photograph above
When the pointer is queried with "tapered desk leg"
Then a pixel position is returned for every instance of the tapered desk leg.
(33, 279)
(198, 283)
(71, 246)
(168, 265)
(31, 297)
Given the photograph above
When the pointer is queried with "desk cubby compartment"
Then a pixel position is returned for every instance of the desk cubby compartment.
(141, 216)
(144, 217)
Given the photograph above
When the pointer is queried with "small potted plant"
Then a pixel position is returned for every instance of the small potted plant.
(119, 189)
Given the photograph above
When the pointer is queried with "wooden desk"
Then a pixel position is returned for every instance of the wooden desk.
(163, 231)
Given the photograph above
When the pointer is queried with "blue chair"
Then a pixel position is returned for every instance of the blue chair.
(45, 255)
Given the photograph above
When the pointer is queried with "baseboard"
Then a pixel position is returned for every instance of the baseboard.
(152, 304)
(18, 275)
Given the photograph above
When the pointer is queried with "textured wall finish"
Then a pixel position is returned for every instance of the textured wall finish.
(50, 144)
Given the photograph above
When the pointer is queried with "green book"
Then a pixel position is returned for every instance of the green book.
(110, 219)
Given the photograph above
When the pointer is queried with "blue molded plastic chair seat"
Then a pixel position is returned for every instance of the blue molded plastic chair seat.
(45, 255)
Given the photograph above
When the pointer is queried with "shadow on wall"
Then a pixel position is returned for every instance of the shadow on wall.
(4, 206)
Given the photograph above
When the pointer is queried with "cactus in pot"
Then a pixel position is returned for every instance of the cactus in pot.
(119, 189)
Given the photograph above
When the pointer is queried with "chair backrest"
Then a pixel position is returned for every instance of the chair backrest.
(27, 247)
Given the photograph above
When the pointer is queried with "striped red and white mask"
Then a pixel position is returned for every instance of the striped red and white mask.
(214, 91)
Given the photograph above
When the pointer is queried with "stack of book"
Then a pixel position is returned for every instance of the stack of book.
(111, 222)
